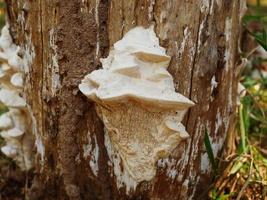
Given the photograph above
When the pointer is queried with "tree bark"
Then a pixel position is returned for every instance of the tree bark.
(64, 40)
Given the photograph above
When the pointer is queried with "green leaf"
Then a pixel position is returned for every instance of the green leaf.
(224, 196)
(3, 109)
(2, 4)
(249, 82)
(261, 38)
(249, 18)
(236, 167)
(216, 196)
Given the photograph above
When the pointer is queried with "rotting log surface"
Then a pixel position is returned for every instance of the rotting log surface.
(63, 40)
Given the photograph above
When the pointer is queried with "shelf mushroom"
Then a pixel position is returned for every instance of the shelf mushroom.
(137, 102)
(15, 124)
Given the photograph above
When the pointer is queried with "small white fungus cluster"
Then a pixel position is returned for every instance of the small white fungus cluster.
(14, 124)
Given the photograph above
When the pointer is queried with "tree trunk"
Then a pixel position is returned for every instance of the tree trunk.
(64, 40)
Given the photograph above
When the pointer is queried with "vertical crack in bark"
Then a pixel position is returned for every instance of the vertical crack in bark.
(103, 173)
(189, 112)
(186, 169)
(97, 28)
(153, 15)
(193, 68)
(42, 65)
(123, 18)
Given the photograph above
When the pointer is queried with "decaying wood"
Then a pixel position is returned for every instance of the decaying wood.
(64, 41)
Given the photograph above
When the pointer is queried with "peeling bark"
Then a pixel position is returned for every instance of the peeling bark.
(63, 41)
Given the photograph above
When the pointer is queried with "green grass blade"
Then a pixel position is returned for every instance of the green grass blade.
(210, 152)
(242, 128)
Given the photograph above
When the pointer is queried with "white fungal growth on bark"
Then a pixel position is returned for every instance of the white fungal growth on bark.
(214, 85)
(205, 163)
(56, 84)
(150, 9)
(97, 24)
(204, 5)
(136, 99)
(92, 153)
(241, 90)
(15, 125)
(228, 36)
(169, 164)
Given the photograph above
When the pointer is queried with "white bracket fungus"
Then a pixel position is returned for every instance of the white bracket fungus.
(136, 100)
(14, 125)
